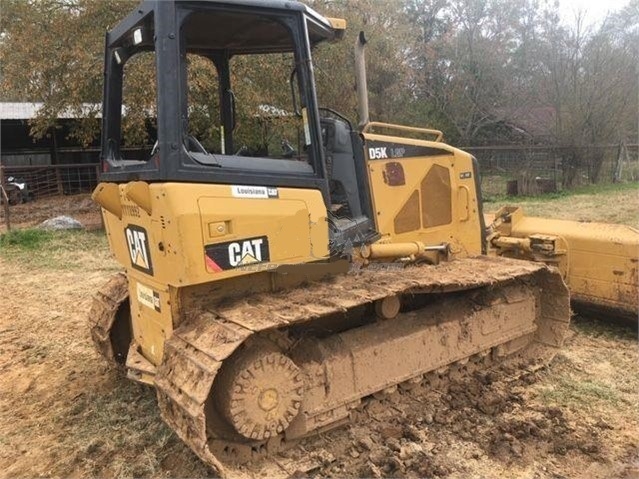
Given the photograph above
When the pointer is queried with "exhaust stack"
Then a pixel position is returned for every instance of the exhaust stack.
(360, 78)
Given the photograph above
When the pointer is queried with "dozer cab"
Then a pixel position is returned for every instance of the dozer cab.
(272, 290)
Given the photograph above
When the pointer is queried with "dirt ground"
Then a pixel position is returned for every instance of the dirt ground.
(63, 413)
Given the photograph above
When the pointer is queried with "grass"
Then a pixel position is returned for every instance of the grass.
(606, 203)
(54, 249)
(598, 189)
(579, 393)
(121, 424)
(127, 422)
(81, 421)
(596, 372)
(27, 240)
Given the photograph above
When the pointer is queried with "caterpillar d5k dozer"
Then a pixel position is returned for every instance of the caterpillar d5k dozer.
(279, 279)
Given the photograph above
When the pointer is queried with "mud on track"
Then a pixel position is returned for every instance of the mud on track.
(64, 414)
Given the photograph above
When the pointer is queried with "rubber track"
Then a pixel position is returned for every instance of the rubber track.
(210, 333)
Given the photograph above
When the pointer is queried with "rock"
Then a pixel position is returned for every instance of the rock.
(414, 434)
(410, 450)
(371, 470)
(366, 443)
(516, 448)
(393, 444)
(61, 223)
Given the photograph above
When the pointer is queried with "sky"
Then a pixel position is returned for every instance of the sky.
(595, 9)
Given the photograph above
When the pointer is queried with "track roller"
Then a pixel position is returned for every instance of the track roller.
(388, 308)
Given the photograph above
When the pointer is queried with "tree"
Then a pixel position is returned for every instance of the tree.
(52, 52)
(388, 32)
(473, 68)
(589, 75)
(474, 64)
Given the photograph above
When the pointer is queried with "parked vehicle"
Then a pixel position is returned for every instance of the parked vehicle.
(17, 191)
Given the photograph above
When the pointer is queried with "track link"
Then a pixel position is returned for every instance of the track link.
(111, 339)
(210, 334)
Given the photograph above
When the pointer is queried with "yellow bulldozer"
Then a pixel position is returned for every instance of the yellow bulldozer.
(270, 292)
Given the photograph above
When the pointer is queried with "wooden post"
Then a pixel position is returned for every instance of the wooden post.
(5, 199)
(58, 180)
(54, 161)
(622, 154)
(555, 165)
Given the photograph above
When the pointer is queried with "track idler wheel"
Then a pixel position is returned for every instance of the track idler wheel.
(260, 392)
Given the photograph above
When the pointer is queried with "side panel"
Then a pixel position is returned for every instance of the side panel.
(150, 315)
(169, 245)
(424, 191)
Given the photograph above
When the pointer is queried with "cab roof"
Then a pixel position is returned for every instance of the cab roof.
(236, 26)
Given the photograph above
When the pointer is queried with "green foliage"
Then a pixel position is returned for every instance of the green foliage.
(204, 111)
(52, 51)
(389, 33)
(589, 203)
(139, 91)
(596, 189)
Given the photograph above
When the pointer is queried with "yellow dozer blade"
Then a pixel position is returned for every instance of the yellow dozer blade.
(598, 261)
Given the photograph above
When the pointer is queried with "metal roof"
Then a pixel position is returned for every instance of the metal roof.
(27, 111)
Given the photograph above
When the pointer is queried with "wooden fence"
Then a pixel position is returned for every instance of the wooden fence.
(565, 167)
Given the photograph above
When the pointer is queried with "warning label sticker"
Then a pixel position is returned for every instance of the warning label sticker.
(149, 298)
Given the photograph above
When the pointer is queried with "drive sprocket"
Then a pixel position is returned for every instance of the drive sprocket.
(262, 393)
